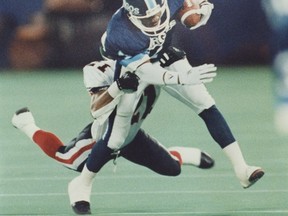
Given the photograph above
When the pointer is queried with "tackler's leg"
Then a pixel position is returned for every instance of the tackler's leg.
(192, 156)
(79, 189)
(73, 155)
(147, 151)
(48, 142)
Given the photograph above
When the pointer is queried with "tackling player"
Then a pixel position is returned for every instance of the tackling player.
(137, 33)
(139, 147)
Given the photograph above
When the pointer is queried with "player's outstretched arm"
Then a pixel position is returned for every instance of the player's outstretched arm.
(167, 72)
(156, 75)
(196, 75)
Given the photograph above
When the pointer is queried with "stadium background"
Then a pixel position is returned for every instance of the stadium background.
(236, 39)
(237, 33)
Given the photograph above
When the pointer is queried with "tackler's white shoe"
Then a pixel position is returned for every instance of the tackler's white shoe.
(251, 176)
(22, 117)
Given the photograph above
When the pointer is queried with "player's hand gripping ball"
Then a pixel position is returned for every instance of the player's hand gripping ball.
(188, 13)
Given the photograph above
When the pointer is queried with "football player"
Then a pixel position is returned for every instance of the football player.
(137, 34)
(139, 147)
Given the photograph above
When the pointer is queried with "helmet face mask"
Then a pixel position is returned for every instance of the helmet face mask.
(150, 16)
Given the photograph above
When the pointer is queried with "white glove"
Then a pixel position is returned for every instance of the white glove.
(197, 75)
(206, 11)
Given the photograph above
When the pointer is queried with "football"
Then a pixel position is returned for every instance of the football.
(187, 15)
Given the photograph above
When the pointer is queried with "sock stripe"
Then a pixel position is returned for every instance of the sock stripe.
(73, 155)
(177, 156)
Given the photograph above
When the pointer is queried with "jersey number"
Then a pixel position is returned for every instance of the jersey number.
(150, 94)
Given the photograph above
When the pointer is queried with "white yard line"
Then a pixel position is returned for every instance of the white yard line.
(131, 177)
(146, 192)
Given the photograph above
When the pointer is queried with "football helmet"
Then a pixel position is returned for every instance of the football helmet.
(150, 16)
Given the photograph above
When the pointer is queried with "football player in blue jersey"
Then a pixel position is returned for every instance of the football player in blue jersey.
(138, 37)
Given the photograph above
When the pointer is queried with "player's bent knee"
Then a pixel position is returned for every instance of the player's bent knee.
(171, 170)
(176, 171)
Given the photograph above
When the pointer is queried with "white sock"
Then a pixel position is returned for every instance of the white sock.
(80, 187)
(87, 176)
(189, 156)
(30, 130)
(234, 153)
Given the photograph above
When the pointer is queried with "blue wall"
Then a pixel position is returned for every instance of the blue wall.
(237, 32)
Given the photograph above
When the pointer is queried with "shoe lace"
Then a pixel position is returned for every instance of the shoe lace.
(116, 155)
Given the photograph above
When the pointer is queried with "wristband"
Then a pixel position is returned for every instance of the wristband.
(114, 91)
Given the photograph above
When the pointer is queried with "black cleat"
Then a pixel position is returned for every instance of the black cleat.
(81, 208)
(22, 110)
(253, 174)
(206, 161)
(22, 117)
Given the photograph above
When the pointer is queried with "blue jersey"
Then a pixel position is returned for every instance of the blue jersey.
(123, 40)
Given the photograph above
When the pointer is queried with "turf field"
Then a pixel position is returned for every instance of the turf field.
(33, 184)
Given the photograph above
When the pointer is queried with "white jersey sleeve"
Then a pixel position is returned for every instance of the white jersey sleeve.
(99, 75)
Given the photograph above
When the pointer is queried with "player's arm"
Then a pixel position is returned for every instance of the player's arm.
(157, 74)
(99, 100)
(104, 99)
